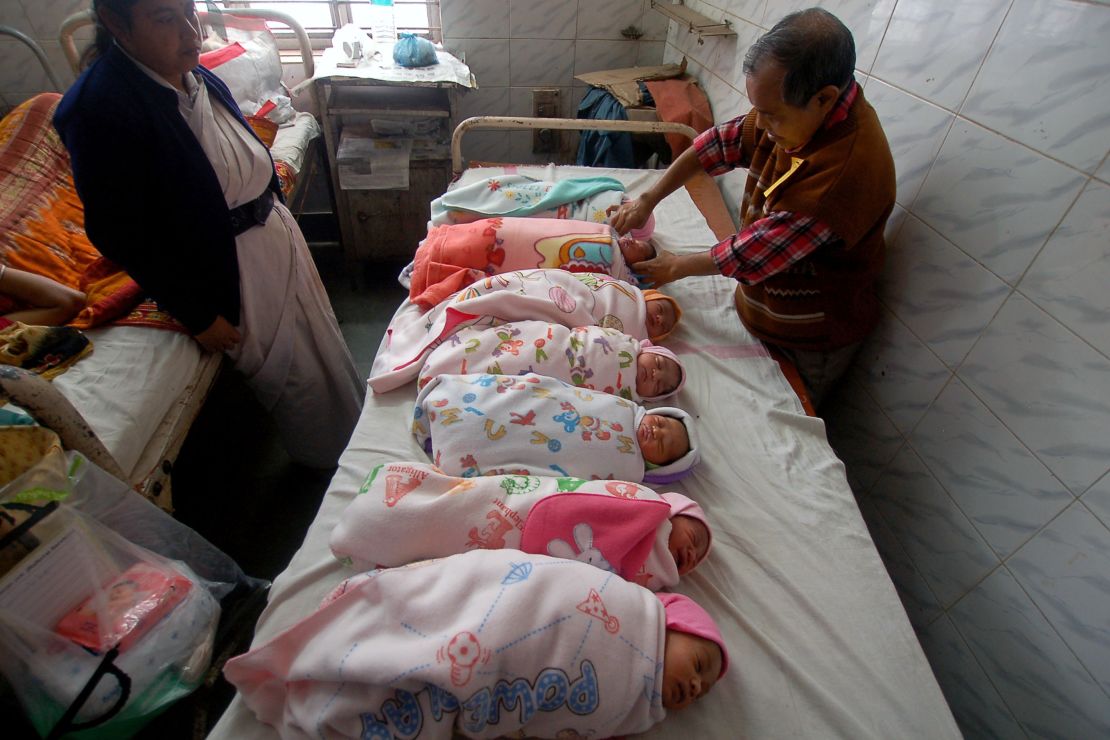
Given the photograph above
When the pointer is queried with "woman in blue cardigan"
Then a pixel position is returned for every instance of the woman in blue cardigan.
(180, 192)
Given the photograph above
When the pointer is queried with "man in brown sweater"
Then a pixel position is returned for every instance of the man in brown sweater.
(820, 188)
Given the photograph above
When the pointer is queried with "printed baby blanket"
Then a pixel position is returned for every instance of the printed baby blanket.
(453, 256)
(556, 296)
(491, 643)
(581, 199)
(592, 357)
(409, 511)
(528, 425)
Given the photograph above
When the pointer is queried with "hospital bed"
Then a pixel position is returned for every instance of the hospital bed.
(128, 405)
(819, 643)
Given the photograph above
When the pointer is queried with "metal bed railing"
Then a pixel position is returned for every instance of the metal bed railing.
(573, 124)
(38, 52)
(84, 18)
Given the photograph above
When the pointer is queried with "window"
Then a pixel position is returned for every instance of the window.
(320, 18)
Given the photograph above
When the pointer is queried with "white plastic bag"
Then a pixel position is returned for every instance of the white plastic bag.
(96, 632)
(99, 634)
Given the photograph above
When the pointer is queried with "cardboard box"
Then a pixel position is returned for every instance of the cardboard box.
(624, 83)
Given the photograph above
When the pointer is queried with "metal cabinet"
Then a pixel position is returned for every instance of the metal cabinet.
(388, 224)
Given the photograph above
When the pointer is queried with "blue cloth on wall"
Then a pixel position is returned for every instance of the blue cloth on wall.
(604, 148)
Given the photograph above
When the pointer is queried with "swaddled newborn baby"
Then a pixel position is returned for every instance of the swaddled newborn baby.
(592, 357)
(491, 643)
(408, 511)
(557, 296)
(535, 425)
(453, 256)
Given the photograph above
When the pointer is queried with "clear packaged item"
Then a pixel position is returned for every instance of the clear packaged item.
(99, 634)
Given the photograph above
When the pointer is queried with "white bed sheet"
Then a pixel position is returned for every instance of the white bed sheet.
(126, 386)
(820, 645)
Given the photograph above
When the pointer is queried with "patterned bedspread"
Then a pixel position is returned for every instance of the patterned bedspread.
(42, 223)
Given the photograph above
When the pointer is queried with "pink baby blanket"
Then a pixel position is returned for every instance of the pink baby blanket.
(528, 425)
(408, 511)
(453, 256)
(556, 296)
(490, 643)
(592, 357)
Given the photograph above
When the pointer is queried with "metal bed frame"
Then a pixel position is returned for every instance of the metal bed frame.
(84, 18)
(571, 124)
(38, 52)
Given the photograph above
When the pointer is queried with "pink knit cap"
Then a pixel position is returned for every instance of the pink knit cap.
(686, 506)
(655, 349)
(684, 615)
(644, 232)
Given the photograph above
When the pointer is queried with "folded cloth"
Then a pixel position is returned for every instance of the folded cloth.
(529, 424)
(592, 357)
(580, 198)
(490, 643)
(453, 256)
(558, 296)
(47, 351)
(409, 511)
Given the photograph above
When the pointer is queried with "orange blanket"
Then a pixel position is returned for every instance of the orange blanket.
(42, 223)
(681, 101)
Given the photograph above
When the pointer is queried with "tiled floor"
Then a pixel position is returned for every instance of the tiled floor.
(235, 484)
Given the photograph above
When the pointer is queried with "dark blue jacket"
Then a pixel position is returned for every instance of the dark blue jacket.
(153, 204)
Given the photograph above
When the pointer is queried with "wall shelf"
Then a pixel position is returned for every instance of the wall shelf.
(692, 20)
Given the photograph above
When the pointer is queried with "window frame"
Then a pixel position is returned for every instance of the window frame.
(320, 38)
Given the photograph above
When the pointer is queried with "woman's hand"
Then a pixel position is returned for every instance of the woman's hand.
(630, 215)
(221, 336)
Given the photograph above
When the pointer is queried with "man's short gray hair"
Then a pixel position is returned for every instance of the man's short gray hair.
(814, 48)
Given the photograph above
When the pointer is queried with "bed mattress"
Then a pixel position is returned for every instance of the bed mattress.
(127, 385)
(820, 645)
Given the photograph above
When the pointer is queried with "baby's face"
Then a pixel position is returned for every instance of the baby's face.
(688, 542)
(635, 250)
(663, 439)
(660, 318)
(691, 665)
(656, 375)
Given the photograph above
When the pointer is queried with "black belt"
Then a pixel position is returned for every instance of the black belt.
(252, 213)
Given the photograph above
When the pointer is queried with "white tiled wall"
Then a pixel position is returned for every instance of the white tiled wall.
(513, 46)
(21, 75)
(976, 424)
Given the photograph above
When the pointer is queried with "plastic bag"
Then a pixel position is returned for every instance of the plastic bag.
(413, 51)
(98, 634)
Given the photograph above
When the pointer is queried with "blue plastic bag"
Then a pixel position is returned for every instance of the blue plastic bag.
(413, 51)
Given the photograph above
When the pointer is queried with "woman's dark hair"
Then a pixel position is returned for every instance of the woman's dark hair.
(814, 48)
(103, 40)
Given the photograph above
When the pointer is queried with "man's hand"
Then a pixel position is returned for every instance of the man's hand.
(628, 216)
(221, 336)
(659, 270)
(666, 267)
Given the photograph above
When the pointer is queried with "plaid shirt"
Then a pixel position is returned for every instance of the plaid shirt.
(773, 243)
